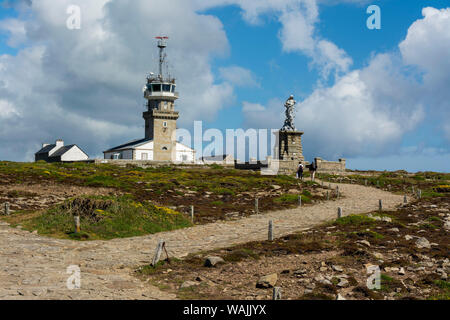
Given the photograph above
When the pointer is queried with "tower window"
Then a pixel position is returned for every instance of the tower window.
(164, 148)
(166, 87)
(156, 87)
(173, 88)
(165, 124)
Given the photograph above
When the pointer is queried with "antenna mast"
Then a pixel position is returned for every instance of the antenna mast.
(162, 56)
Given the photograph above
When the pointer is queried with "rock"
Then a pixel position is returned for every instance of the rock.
(364, 242)
(401, 271)
(394, 230)
(343, 283)
(275, 187)
(212, 261)
(337, 268)
(311, 286)
(300, 272)
(378, 255)
(322, 280)
(423, 243)
(267, 281)
(285, 271)
(386, 219)
(408, 237)
(323, 269)
(188, 284)
(339, 297)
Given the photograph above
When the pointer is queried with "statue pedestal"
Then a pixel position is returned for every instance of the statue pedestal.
(290, 146)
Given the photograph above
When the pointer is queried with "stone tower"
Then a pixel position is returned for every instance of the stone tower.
(290, 140)
(161, 117)
(290, 146)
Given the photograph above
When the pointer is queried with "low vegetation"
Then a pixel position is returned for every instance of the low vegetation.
(431, 184)
(101, 218)
(217, 193)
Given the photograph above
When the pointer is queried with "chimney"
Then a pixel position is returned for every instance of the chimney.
(59, 143)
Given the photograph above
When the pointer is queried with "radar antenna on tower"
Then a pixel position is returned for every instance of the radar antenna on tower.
(162, 44)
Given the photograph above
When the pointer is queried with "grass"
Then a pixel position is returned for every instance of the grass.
(292, 198)
(354, 219)
(104, 218)
(432, 184)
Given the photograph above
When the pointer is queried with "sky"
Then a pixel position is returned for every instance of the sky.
(377, 97)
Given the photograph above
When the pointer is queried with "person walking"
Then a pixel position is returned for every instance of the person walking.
(312, 170)
(300, 171)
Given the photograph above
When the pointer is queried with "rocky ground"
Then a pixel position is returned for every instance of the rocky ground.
(35, 267)
(410, 246)
(34, 196)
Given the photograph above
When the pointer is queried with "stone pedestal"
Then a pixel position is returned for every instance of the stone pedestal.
(290, 146)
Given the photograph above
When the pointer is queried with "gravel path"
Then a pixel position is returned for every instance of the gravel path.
(34, 267)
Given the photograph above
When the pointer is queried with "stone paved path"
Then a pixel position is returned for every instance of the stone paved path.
(34, 267)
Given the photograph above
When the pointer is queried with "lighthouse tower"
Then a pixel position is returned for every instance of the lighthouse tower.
(161, 117)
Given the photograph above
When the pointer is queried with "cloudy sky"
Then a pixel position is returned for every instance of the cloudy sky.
(379, 98)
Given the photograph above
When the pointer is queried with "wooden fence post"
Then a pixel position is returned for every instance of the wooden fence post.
(256, 205)
(337, 192)
(192, 214)
(158, 252)
(419, 193)
(380, 205)
(365, 182)
(405, 200)
(339, 212)
(300, 200)
(77, 224)
(328, 195)
(276, 293)
(7, 208)
(270, 235)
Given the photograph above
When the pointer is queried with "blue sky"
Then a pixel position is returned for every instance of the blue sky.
(393, 115)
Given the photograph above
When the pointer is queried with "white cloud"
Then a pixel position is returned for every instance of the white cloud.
(239, 76)
(252, 107)
(15, 29)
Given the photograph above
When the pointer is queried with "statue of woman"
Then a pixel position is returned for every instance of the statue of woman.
(290, 114)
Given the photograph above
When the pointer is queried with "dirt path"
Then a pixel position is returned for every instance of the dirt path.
(34, 267)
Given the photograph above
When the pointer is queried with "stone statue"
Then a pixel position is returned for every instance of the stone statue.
(290, 115)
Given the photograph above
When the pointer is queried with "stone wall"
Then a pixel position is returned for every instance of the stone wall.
(332, 167)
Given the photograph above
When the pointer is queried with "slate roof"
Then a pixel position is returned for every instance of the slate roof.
(130, 144)
(46, 149)
(61, 151)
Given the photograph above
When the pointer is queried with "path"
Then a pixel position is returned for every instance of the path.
(34, 267)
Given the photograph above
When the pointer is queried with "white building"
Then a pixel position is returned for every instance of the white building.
(59, 153)
(143, 150)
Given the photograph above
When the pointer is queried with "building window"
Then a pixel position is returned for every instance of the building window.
(164, 148)
(165, 105)
(144, 156)
(116, 156)
(165, 124)
(184, 157)
(166, 87)
(156, 87)
(173, 88)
